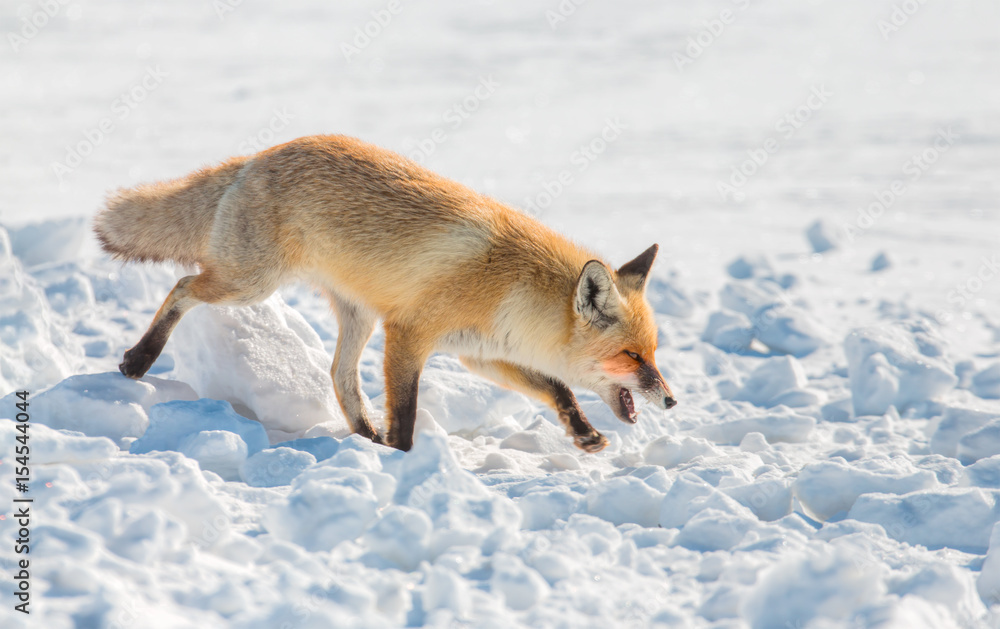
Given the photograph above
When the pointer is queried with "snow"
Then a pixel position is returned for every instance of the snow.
(729, 331)
(122, 404)
(829, 326)
(668, 451)
(981, 443)
(955, 423)
(953, 517)
(988, 583)
(745, 267)
(881, 262)
(274, 466)
(218, 451)
(781, 326)
(283, 382)
(830, 488)
(823, 236)
(172, 423)
(888, 368)
(986, 383)
(781, 424)
(778, 381)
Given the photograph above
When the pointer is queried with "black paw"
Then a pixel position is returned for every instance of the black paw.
(136, 363)
(400, 443)
(591, 442)
(369, 433)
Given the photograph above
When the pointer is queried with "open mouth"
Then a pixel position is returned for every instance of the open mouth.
(626, 405)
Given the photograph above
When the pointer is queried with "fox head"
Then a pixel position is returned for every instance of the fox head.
(614, 336)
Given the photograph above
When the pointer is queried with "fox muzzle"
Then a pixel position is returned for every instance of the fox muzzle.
(654, 388)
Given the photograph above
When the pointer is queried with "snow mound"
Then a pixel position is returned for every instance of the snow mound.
(887, 368)
(789, 330)
(957, 422)
(400, 535)
(324, 508)
(986, 383)
(750, 297)
(710, 530)
(829, 588)
(830, 488)
(264, 359)
(104, 404)
(322, 448)
(778, 381)
(769, 496)
(747, 266)
(625, 499)
(988, 583)
(985, 473)
(981, 443)
(273, 467)
(170, 423)
(218, 451)
(462, 509)
(340, 499)
(880, 262)
(954, 517)
(777, 323)
(670, 451)
(541, 507)
(519, 586)
(669, 299)
(781, 424)
(49, 241)
(729, 331)
(37, 351)
(823, 236)
(690, 495)
(54, 446)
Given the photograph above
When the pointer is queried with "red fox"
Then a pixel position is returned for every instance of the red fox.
(443, 267)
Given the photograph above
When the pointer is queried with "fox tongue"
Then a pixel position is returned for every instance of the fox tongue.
(627, 404)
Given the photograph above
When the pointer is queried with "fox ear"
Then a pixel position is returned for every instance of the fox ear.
(636, 271)
(597, 299)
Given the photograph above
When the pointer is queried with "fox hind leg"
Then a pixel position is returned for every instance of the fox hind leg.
(140, 358)
(207, 287)
(356, 324)
(550, 390)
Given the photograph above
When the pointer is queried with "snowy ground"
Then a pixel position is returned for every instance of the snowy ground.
(835, 457)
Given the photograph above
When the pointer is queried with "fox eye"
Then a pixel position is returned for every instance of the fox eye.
(637, 358)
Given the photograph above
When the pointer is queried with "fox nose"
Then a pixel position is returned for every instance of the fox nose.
(669, 402)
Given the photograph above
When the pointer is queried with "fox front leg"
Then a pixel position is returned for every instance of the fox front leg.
(550, 390)
(405, 354)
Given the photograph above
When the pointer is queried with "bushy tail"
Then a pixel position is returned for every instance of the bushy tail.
(169, 220)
